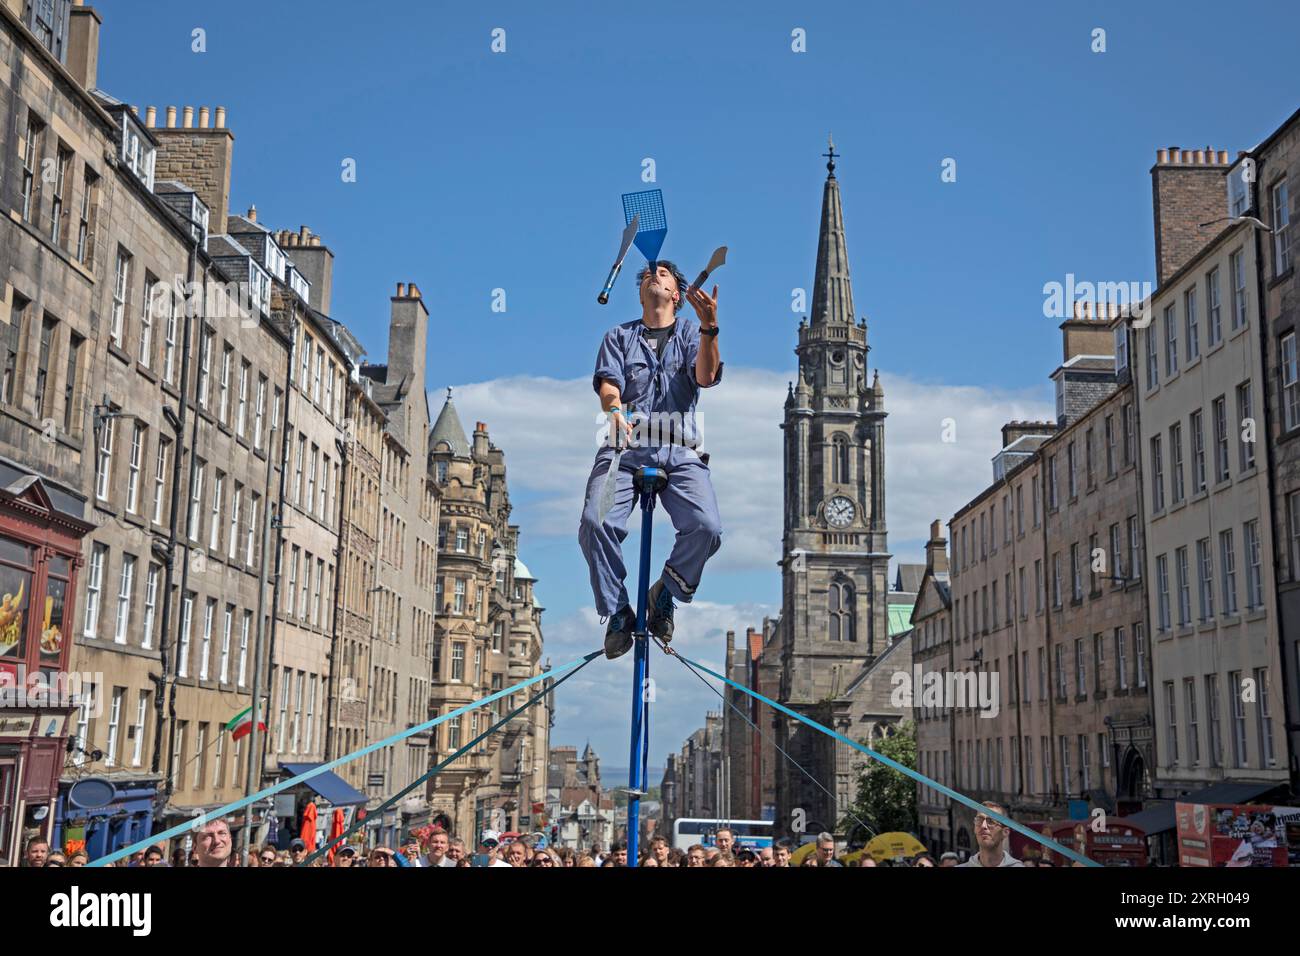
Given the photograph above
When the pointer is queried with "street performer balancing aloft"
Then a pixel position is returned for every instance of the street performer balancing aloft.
(656, 364)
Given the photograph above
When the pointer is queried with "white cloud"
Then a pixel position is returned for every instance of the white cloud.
(548, 428)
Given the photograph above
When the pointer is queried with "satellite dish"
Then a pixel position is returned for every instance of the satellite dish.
(91, 792)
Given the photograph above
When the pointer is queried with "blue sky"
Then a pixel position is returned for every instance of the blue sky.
(479, 171)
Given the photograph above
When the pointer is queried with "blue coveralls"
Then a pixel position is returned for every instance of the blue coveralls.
(627, 359)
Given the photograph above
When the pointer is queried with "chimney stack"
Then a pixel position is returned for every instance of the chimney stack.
(1188, 188)
(1013, 431)
(936, 550)
(199, 156)
(83, 45)
(1089, 334)
(408, 338)
(481, 444)
(315, 262)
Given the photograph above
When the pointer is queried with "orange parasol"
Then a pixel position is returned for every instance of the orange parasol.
(308, 834)
(336, 831)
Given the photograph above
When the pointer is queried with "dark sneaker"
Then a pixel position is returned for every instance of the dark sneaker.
(661, 611)
(618, 635)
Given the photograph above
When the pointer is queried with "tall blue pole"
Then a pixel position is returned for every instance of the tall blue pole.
(648, 482)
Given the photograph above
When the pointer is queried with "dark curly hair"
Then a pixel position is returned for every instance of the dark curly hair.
(682, 282)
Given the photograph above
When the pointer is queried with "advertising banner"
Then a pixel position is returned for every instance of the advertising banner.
(1223, 834)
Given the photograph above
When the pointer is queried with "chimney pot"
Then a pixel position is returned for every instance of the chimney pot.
(150, 115)
(187, 119)
(252, 214)
(1175, 155)
(171, 117)
(203, 117)
(315, 241)
(1162, 157)
(415, 291)
(401, 290)
(1200, 157)
(221, 117)
(302, 231)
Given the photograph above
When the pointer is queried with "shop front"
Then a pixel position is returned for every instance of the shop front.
(101, 815)
(40, 551)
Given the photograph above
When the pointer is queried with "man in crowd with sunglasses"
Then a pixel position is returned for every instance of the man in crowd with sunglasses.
(990, 834)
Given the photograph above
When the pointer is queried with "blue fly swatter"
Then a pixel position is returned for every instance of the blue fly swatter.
(652, 225)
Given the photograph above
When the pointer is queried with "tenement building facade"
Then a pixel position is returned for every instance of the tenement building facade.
(1217, 650)
(205, 495)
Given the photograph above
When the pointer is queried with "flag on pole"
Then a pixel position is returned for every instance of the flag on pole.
(241, 725)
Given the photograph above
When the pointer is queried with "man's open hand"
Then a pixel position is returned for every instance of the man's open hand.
(705, 305)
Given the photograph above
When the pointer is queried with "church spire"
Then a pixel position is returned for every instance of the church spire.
(832, 291)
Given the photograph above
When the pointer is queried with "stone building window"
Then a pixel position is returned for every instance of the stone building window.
(31, 159)
(839, 460)
(48, 20)
(58, 207)
(843, 605)
(1281, 222)
(85, 227)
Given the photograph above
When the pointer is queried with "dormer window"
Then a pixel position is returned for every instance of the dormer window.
(275, 259)
(259, 287)
(48, 19)
(299, 284)
(1239, 179)
(199, 220)
(137, 152)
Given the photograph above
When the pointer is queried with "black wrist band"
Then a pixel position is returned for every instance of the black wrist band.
(710, 331)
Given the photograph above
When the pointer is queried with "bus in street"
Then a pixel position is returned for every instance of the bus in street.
(751, 833)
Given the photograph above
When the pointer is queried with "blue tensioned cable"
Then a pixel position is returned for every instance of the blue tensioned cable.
(200, 820)
(439, 767)
(745, 717)
(919, 777)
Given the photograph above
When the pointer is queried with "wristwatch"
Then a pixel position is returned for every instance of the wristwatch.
(711, 331)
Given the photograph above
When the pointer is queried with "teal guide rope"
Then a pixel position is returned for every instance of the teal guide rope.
(442, 765)
(229, 808)
(919, 777)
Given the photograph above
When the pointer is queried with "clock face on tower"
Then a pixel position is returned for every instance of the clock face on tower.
(839, 511)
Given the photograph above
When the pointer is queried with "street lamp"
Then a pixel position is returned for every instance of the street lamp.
(103, 412)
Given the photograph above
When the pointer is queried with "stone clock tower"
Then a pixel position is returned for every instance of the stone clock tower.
(835, 560)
